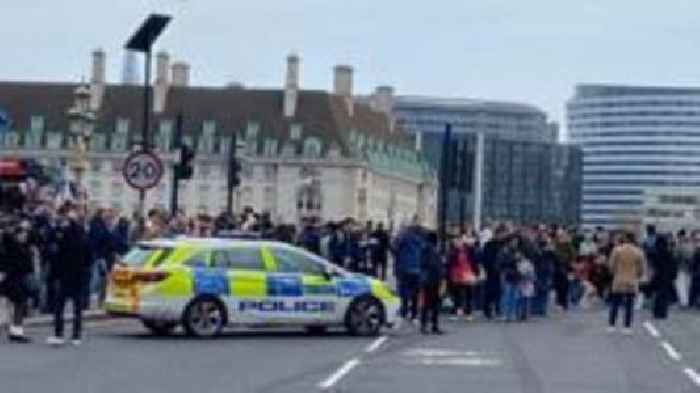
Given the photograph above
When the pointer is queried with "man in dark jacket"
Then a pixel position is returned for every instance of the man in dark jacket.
(17, 267)
(492, 285)
(544, 272)
(432, 277)
(380, 250)
(694, 272)
(665, 272)
(71, 272)
(408, 250)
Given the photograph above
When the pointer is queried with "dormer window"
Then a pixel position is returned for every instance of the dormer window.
(122, 126)
(270, 147)
(209, 127)
(37, 123)
(312, 148)
(295, 132)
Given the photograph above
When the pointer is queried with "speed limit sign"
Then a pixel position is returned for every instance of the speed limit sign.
(142, 170)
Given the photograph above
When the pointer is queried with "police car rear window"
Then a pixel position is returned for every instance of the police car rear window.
(142, 254)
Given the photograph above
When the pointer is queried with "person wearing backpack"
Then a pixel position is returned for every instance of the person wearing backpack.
(463, 274)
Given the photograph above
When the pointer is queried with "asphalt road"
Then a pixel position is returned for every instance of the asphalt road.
(570, 354)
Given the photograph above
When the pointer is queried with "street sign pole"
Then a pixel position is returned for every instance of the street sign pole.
(145, 137)
(175, 198)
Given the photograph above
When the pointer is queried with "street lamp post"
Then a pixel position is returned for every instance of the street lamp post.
(82, 123)
(142, 41)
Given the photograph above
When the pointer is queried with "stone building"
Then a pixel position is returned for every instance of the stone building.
(304, 153)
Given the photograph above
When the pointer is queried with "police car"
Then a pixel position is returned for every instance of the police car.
(208, 284)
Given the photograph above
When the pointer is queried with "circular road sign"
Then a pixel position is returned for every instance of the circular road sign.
(142, 170)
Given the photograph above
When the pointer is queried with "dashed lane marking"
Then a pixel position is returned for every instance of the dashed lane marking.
(339, 374)
(693, 375)
(671, 351)
(376, 344)
(652, 330)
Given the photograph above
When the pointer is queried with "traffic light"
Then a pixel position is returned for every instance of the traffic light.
(185, 169)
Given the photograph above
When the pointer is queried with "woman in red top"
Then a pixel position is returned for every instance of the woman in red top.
(463, 273)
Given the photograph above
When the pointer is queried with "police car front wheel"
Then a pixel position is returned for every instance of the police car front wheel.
(365, 317)
(204, 317)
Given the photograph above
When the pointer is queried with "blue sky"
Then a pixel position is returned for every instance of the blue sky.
(530, 51)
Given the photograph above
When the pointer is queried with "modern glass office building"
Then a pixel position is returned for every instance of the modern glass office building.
(636, 141)
(527, 177)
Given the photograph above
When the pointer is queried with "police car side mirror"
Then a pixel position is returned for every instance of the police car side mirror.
(329, 273)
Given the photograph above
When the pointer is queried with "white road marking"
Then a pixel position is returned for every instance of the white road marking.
(338, 374)
(458, 362)
(652, 330)
(376, 344)
(435, 352)
(693, 375)
(672, 353)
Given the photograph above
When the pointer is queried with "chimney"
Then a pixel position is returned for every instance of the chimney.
(342, 85)
(291, 86)
(181, 74)
(97, 82)
(383, 101)
(160, 90)
(130, 72)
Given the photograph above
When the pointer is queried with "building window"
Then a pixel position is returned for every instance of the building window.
(96, 185)
(295, 132)
(209, 127)
(270, 172)
(37, 123)
(95, 165)
(204, 170)
(122, 126)
(270, 147)
(117, 166)
(312, 148)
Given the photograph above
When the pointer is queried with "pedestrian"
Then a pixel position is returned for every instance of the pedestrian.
(563, 271)
(544, 273)
(628, 266)
(408, 251)
(492, 284)
(71, 272)
(665, 270)
(684, 255)
(380, 251)
(526, 285)
(17, 267)
(432, 284)
(510, 280)
(463, 275)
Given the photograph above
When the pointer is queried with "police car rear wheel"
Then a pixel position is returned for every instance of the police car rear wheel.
(204, 318)
(365, 317)
(159, 328)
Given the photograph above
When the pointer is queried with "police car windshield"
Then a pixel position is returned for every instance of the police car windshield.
(143, 253)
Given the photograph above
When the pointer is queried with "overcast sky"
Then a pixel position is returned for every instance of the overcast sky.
(530, 51)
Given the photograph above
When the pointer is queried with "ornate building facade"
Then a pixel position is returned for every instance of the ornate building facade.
(304, 153)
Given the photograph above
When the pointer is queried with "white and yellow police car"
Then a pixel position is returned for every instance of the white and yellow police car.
(208, 284)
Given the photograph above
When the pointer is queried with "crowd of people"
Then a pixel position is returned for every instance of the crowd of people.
(511, 272)
(49, 257)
